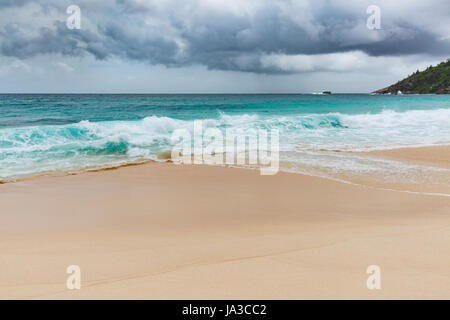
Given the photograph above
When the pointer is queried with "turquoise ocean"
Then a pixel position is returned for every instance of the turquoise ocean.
(323, 135)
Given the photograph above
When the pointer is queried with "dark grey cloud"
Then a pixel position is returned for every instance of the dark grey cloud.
(132, 43)
(227, 35)
(418, 42)
(12, 3)
(18, 43)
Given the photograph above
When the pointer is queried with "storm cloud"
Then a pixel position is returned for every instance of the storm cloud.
(257, 36)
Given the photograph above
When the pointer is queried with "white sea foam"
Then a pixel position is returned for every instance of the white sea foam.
(303, 139)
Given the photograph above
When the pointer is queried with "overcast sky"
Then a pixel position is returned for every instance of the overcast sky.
(211, 46)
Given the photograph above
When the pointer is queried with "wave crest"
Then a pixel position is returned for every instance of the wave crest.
(62, 147)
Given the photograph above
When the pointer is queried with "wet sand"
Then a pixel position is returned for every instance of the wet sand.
(438, 155)
(163, 231)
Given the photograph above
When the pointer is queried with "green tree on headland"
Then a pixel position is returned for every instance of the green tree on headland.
(432, 80)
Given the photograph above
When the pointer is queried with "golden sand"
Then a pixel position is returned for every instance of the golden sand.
(166, 231)
(439, 155)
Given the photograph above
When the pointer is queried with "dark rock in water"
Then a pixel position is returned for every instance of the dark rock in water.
(326, 92)
(444, 91)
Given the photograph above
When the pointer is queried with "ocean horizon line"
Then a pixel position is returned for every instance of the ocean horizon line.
(189, 93)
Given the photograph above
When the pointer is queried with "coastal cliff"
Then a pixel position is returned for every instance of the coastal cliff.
(432, 80)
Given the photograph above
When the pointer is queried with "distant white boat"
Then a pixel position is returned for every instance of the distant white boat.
(399, 92)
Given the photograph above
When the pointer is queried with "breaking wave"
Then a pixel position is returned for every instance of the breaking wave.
(46, 148)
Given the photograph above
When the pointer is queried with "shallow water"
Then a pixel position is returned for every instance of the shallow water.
(47, 133)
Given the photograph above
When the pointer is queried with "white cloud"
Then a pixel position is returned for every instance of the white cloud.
(346, 62)
(64, 66)
(252, 41)
(18, 66)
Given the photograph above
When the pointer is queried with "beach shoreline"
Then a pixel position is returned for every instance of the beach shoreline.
(436, 155)
(166, 231)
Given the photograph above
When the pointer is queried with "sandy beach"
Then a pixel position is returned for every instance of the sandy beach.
(432, 155)
(166, 231)
(224, 150)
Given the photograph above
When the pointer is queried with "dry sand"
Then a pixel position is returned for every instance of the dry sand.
(162, 231)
